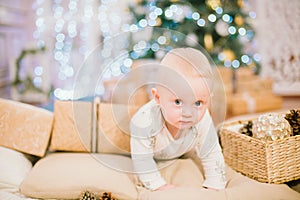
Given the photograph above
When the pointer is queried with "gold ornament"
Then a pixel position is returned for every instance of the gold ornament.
(240, 3)
(271, 126)
(239, 20)
(208, 42)
(158, 21)
(213, 3)
(228, 54)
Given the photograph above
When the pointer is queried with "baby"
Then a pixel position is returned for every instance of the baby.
(177, 121)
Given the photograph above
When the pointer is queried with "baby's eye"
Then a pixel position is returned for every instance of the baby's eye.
(178, 102)
(198, 103)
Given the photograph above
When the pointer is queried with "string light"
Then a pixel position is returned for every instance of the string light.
(245, 59)
(38, 35)
(252, 14)
(232, 30)
(195, 16)
(212, 18)
(219, 10)
(227, 18)
(71, 27)
(235, 64)
(201, 22)
(242, 31)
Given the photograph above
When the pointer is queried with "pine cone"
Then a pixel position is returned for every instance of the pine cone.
(86, 195)
(247, 128)
(293, 117)
(107, 196)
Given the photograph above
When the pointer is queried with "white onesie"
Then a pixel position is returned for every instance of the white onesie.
(151, 141)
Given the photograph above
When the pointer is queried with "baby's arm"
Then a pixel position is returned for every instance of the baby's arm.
(142, 145)
(210, 154)
(144, 164)
(214, 169)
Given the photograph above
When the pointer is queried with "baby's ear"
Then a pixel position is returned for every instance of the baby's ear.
(155, 95)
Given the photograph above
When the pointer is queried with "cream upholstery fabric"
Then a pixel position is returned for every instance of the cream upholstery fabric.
(113, 126)
(14, 166)
(238, 187)
(24, 127)
(72, 126)
(67, 175)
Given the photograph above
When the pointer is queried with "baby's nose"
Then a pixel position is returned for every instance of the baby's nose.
(187, 111)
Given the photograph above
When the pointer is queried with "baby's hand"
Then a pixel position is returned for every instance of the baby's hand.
(166, 187)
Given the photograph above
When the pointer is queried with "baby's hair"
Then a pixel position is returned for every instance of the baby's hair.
(197, 65)
(194, 58)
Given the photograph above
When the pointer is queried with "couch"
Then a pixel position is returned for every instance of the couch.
(84, 146)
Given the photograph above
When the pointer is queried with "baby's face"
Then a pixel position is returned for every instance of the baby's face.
(183, 94)
(184, 107)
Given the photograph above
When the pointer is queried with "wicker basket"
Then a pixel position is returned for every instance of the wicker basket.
(270, 162)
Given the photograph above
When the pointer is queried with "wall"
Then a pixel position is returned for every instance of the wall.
(15, 31)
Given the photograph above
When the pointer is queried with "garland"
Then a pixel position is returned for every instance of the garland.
(27, 84)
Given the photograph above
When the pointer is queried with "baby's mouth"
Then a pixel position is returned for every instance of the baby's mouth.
(185, 122)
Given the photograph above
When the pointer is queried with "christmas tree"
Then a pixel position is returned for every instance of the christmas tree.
(222, 27)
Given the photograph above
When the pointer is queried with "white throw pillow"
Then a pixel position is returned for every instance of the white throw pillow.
(14, 166)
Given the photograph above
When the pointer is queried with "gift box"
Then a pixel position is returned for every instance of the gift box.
(122, 91)
(244, 74)
(256, 86)
(132, 88)
(275, 161)
(244, 103)
(226, 76)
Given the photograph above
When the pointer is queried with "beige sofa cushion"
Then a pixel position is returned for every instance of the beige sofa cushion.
(24, 127)
(67, 175)
(238, 187)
